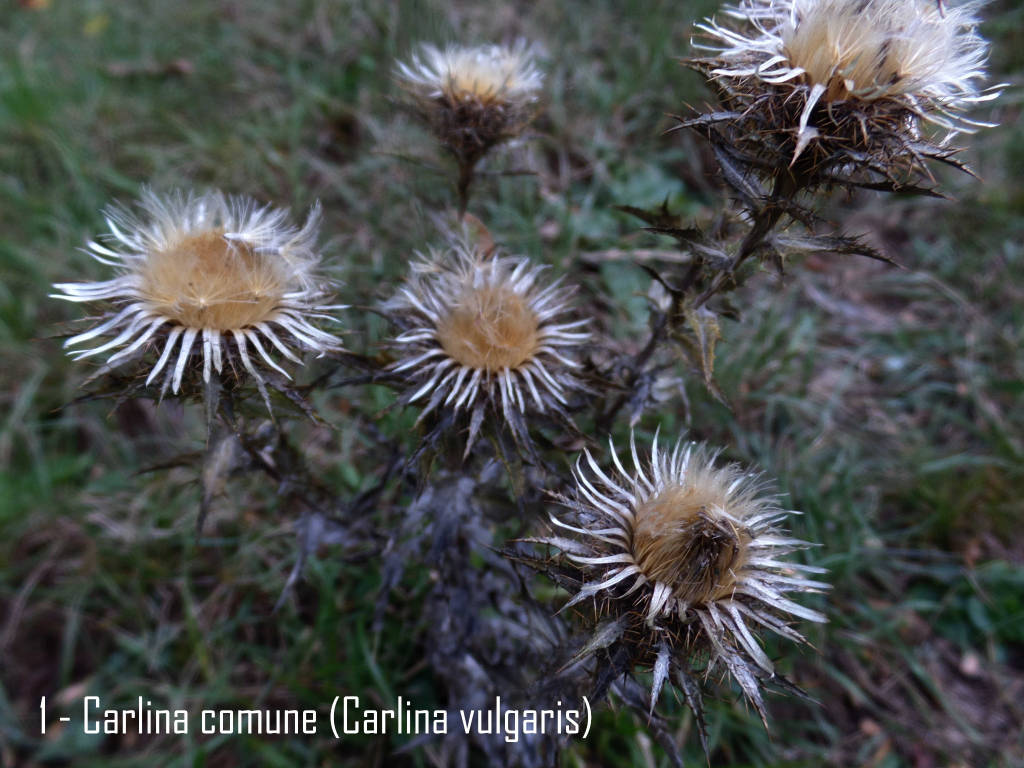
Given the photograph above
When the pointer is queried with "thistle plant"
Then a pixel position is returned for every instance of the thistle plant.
(812, 95)
(546, 582)
(828, 92)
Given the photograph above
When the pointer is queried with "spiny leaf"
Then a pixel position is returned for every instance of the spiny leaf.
(701, 340)
(841, 244)
(693, 239)
(695, 701)
(658, 217)
(560, 542)
(615, 665)
(658, 278)
(783, 683)
(604, 635)
(706, 120)
(661, 665)
(737, 177)
(748, 681)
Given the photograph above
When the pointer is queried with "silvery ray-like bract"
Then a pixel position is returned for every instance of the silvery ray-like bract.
(483, 330)
(689, 557)
(199, 271)
(928, 56)
(489, 74)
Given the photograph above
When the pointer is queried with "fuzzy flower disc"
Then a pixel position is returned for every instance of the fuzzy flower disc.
(680, 540)
(483, 330)
(205, 281)
(197, 272)
(490, 328)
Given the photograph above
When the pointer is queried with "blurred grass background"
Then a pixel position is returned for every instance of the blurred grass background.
(889, 403)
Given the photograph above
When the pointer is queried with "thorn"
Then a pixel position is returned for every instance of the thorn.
(804, 137)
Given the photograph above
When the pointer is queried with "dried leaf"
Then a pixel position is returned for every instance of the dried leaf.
(661, 665)
(604, 635)
(706, 120)
(739, 178)
(660, 217)
(694, 240)
(703, 324)
(695, 701)
(220, 460)
(840, 244)
(562, 543)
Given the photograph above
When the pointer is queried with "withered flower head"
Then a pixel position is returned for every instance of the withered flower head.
(852, 76)
(473, 98)
(686, 557)
(197, 271)
(482, 330)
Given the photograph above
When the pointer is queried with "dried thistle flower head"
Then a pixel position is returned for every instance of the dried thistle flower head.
(849, 72)
(686, 558)
(473, 98)
(481, 331)
(195, 270)
(489, 74)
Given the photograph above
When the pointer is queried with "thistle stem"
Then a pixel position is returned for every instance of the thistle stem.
(786, 186)
(660, 326)
(467, 172)
(765, 220)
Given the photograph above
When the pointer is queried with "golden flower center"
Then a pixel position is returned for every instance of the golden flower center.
(486, 82)
(203, 280)
(490, 328)
(853, 51)
(679, 540)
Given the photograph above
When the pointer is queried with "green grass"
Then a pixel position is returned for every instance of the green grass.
(888, 403)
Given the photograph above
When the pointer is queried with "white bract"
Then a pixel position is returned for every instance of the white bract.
(486, 74)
